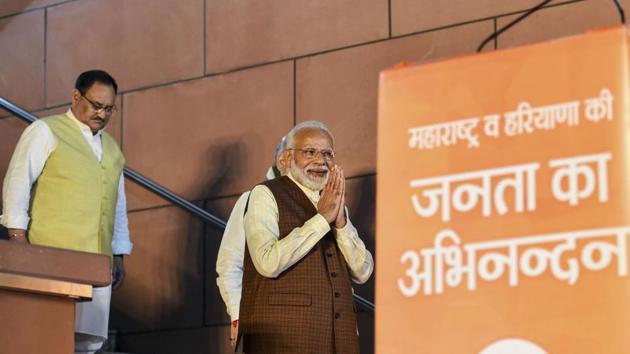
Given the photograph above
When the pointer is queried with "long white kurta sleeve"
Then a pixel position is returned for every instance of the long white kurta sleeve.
(358, 258)
(31, 152)
(230, 258)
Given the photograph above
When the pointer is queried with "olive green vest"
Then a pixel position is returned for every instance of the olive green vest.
(73, 202)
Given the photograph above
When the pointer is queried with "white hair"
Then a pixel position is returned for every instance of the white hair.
(308, 125)
(281, 146)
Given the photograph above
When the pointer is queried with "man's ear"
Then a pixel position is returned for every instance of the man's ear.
(284, 161)
(76, 95)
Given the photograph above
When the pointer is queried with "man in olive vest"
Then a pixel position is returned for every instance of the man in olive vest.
(64, 188)
(302, 252)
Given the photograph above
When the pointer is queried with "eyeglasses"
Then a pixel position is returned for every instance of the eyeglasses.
(311, 153)
(97, 107)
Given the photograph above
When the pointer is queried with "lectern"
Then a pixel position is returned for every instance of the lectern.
(38, 290)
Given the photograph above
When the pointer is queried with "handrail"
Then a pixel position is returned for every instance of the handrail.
(159, 190)
(362, 302)
(174, 198)
(134, 176)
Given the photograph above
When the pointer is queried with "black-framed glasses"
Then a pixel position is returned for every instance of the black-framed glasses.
(97, 107)
(311, 153)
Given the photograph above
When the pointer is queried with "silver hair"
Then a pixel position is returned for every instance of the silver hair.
(308, 125)
(281, 146)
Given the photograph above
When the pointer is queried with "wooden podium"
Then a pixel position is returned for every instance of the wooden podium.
(38, 290)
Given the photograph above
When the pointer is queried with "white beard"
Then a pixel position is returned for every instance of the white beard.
(310, 182)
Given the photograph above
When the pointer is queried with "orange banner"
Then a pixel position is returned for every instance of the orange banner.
(502, 201)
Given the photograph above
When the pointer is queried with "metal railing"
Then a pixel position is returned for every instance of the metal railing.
(134, 176)
(161, 191)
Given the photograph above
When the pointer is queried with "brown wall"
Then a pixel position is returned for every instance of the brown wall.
(208, 87)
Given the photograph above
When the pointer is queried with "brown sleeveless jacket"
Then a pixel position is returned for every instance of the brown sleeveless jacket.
(309, 307)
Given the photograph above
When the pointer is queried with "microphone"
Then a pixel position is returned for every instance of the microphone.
(496, 34)
(512, 23)
(622, 13)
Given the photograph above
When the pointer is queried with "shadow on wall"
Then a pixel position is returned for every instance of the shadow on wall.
(163, 298)
(163, 303)
(234, 165)
(229, 159)
(230, 163)
(362, 213)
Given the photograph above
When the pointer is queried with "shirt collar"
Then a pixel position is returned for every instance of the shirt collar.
(312, 195)
(270, 175)
(82, 126)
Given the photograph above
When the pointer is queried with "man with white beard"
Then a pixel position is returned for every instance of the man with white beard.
(302, 252)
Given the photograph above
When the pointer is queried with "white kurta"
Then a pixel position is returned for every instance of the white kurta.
(92, 317)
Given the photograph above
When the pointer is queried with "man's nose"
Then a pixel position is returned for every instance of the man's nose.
(319, 158)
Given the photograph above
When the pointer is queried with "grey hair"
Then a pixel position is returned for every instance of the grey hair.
(308, 125)
(281, 146)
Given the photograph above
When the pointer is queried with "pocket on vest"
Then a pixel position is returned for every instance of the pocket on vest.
(289, 299)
